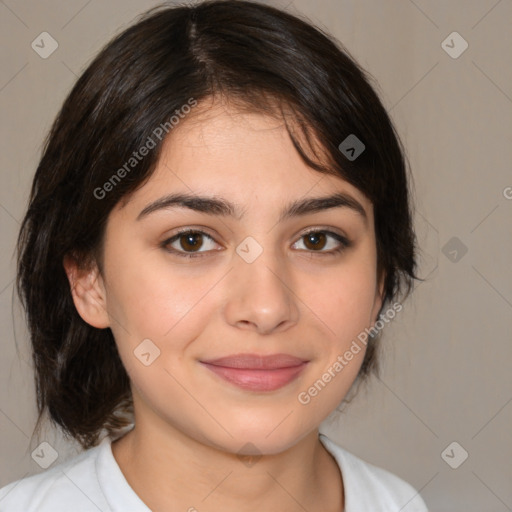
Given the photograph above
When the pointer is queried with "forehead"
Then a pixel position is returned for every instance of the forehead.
(247, 157)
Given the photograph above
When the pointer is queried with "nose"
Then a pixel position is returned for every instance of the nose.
(260, 295)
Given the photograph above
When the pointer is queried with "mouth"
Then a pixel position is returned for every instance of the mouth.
(256, 372)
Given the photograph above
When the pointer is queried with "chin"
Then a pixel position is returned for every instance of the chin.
(264, 438)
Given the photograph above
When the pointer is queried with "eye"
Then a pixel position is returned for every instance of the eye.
(188, 243)
(316, 240)
(187, 240)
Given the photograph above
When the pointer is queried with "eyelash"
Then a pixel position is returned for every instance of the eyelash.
(344, 243)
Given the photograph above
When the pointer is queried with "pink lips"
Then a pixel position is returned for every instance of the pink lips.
(255, 372)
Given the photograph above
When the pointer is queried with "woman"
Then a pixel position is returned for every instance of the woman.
(220, 217)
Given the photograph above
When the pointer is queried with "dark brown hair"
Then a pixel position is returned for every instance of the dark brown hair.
(251, 54)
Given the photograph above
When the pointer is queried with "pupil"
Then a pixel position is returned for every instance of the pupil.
(314, 238)
(189, 241)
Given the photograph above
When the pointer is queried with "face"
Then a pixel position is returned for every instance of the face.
(239, 285)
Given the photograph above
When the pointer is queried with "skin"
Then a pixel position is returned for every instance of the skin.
(191, 425)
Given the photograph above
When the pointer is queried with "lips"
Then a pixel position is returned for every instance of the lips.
(257, 362)
(257, 372)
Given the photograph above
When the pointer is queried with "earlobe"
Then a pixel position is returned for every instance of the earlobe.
(88, 292)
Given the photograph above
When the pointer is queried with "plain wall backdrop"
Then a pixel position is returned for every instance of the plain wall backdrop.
(446, 357)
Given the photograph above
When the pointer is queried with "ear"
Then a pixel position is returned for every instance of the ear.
(379, 298)
(88, 292)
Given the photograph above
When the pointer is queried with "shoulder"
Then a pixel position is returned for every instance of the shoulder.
(70, 485)
(369, 487)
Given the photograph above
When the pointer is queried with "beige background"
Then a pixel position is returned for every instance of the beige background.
(447, 358)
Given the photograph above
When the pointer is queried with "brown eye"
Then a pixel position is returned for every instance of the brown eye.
(191, 241)
(315, 240)
(323, 242)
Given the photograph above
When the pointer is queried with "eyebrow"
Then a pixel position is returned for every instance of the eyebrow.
(222, 207)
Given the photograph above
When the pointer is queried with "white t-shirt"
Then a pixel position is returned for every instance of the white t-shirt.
(93, 481)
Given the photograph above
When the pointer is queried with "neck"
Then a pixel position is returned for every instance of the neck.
(171, 471)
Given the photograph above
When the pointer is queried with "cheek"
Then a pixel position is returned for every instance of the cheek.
(171, 313)
(148, 301)
(343, 301)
